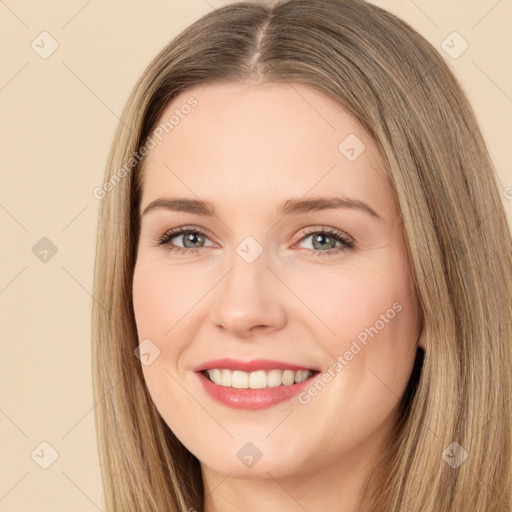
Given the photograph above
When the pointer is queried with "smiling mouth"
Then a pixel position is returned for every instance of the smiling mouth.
(259, 379)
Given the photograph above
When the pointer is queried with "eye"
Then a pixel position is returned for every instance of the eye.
(191, 239)
(324, 241)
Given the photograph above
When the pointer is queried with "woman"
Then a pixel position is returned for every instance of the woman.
(240, 363)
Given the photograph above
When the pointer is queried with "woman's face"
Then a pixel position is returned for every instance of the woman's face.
(267, 276)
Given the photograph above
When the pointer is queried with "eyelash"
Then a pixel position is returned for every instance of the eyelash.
(165, 239)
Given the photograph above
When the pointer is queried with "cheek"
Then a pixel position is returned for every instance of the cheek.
(350, 302)
(162, 296)
(370, 318)
(370, 357)
(160, 300)
(166, 302)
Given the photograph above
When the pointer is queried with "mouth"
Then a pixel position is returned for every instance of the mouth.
(259, 379)
(256, 390)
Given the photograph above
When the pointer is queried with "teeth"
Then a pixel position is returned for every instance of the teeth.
(257, 380)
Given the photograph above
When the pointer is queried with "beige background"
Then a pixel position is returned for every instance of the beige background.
(58, 119)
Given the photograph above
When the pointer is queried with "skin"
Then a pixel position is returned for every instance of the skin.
(247, 148)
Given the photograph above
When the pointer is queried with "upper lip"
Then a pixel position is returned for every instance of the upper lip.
(249, 366)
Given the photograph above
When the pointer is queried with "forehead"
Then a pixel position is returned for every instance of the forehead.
(249, 142)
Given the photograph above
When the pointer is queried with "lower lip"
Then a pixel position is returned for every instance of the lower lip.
(254, 399)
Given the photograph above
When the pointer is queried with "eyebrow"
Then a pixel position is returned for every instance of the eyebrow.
(288, 207)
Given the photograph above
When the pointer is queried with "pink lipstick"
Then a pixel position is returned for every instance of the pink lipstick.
(243, 397)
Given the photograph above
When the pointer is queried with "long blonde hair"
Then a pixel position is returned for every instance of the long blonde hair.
(397, 85)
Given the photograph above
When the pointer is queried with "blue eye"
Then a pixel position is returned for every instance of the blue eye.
(190, 237)
(330, 237)
(192, 240)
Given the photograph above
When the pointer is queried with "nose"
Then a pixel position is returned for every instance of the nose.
(250, 300)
